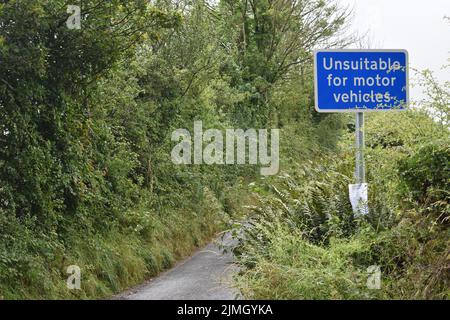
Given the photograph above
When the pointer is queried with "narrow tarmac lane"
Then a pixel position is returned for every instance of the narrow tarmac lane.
(205, 275)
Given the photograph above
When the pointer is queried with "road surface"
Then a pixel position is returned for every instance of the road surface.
(205, 275)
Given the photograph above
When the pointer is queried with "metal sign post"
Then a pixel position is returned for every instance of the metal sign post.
(360, 172)
(358, 192)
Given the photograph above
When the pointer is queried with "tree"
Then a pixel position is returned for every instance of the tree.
(276, 37)
(53, 149)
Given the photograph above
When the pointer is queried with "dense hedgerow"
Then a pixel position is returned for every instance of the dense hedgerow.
(85, 120)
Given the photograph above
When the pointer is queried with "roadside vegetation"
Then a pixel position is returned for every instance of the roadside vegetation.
(86, 177)
(303, 241)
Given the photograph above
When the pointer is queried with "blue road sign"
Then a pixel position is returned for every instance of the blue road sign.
(361, 80)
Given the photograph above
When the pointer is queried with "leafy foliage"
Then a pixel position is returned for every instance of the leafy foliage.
(426, 173)
(86, 176)
(303, 242)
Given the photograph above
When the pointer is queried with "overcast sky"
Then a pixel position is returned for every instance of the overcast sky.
(415, 25)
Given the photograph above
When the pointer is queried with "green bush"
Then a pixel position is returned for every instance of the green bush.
(426, 173)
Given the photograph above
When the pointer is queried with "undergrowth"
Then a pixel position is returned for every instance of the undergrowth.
(303, 241)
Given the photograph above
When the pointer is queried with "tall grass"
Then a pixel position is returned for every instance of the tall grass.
(303, 242)
(144, 243)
